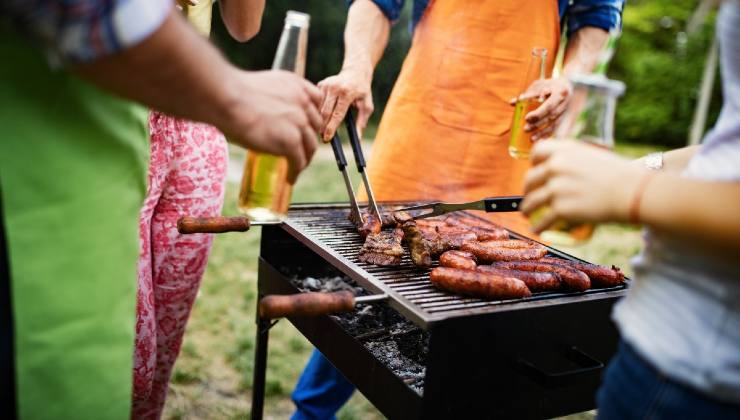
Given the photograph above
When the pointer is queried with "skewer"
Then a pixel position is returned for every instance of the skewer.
(336, 146)
(354, 138)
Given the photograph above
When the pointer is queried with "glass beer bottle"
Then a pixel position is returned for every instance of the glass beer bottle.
(589, 118)
(265, 192)
(521, 142)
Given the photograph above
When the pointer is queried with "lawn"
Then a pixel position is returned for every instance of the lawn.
(212, 377)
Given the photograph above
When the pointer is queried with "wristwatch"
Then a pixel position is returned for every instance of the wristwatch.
(654, 161)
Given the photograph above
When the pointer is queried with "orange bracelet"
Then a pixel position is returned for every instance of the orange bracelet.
(637, 197)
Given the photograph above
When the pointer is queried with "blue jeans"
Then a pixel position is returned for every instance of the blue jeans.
(321, 390)
(633, 389)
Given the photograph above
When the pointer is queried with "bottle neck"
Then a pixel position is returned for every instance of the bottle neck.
(537, 67)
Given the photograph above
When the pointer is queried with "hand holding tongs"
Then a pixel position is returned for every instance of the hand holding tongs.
(489, 205)
(336, 145)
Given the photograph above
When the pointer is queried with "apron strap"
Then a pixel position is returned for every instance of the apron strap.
(7, 360)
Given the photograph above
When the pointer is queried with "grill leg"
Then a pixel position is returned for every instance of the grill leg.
(260, 368)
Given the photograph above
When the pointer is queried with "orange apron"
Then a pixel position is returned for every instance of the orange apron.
(445, 131)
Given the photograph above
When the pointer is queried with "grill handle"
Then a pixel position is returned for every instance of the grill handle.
(220, 224)
(306, 304)
(588, 366)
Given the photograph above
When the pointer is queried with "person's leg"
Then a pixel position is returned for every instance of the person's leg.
(633, 389)
(145, 349)
(321, 390)
(194, 186)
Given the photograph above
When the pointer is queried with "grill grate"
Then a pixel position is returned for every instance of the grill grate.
(326, 229)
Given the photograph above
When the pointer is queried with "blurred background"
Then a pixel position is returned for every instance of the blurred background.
(661, 58)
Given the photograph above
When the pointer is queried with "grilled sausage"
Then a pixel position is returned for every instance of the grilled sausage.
(483, 230)
(478, 284)
(457, 259)
(511, 243)
(600, 276)
(573, 279)
(535, 281)
(489, 254)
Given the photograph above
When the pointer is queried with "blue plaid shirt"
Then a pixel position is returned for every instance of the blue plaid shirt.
(605, 14)
(83, 30)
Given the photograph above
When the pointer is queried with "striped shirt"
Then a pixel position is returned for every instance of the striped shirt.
(683, 311)
(84, 30)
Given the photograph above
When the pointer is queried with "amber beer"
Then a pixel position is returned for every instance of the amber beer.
(521, 142)
(590, 119)
(265, 191)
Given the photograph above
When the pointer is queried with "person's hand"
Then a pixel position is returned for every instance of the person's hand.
(349, 87)
(579, 182)
(555, 94)
(276, 112)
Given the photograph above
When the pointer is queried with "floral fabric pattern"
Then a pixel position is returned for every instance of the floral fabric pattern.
(186, 177)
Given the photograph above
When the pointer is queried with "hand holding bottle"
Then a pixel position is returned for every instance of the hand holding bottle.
(279, 115)
(554, 94)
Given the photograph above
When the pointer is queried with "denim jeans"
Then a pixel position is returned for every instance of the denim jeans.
(321, 390)
(633, 389)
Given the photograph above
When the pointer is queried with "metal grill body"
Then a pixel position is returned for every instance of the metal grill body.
(526, 358)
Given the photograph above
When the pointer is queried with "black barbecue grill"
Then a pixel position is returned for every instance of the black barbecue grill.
(534, 357)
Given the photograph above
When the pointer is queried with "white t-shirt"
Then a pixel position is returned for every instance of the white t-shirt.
(682, 312)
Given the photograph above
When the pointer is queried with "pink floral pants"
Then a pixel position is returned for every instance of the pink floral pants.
(187, 173)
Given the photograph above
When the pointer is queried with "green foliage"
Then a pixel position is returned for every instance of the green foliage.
(662, 68)
(325, 43)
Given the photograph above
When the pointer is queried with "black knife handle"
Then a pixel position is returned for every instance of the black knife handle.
(336, 146)
(502, 204)
(354, 139)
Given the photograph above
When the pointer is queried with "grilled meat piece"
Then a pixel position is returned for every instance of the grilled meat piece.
(478, 284)
(599, 275)
(457, 259)
(383, 248)
(429, 240)
(573, 279)
(490, 254)
(536, 282)
(485, 231)
(372, 224)
(418, 245)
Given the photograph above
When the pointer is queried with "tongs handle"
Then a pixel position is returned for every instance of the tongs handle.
(354, 140)
(219, 224)
(306, 304)
(502, 204)
(336, 146)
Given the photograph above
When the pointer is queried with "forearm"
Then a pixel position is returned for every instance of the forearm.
(365, 37)
(583, 50)
(674, 160)
(702, 210)
(242, 18)
(191, 66)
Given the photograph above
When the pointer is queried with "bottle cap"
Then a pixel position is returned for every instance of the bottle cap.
(294, 18)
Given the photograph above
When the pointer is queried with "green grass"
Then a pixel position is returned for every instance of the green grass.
(213, 376)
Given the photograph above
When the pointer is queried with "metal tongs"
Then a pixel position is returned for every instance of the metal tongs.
(489, 205)
(336, 146)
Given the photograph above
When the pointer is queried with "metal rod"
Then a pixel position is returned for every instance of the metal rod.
(349, 120)
(260, 368)
(354, 208)
(265, 222)
(371, 196)
(336, 145)
(371, 298)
